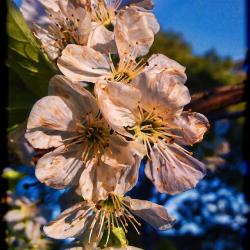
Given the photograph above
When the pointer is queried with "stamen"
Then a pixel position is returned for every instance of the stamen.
(104, 12)
(108, 231)
(136, 229)
(101, 224)
(151, 128)
(92, 226)
(93, 135)
(127, 69)
(117, 213)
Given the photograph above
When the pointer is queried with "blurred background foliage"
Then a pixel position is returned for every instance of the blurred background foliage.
(204, 72)
(210, 217)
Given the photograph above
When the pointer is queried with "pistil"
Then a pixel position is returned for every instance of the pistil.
(151, 128)
(93, 134)
(111, 213)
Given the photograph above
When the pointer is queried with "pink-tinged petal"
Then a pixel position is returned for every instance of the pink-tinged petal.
(71, 223)
(75, 93)
(163, 92)
(97, 181)
(123, 151)
(83, 23)
(49, 119)
(14, 215)
(60, 168)
(52, 5)
(190, 127)
(32, 230)
(102, 40)
(146, 4)
(154, 214)
(172, 170)
(159, 62)
(134, 31)
(18, 226)
(117, 103)
(128, 177)
(81, 63)
(48, 43)
(125, 155)
(116, 172)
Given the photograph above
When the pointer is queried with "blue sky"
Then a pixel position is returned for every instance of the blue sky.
(206, 24)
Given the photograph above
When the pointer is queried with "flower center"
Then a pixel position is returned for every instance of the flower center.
(93, 135)
(126, 70)
(114, 212)
(64, 30)
(104, 12)
(150, 128)
(107, 215)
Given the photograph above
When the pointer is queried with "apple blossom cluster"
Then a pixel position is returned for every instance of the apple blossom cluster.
(109, 109)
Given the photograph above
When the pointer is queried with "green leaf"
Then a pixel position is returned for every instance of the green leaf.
(20, 100)
(25, 56)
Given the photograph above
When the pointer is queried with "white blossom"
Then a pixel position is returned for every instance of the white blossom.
(97, 24)
(69, 123)
(149, 109)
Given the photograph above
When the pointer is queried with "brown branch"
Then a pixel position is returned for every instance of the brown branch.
(218, 98)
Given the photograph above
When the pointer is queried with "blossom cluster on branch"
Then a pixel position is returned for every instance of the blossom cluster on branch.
(108, 110)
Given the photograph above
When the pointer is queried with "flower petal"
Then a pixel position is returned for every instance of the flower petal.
(123, 151)
(97, 181)
(49, 119)
(84, 20)
(14, 215)
(81, 63)
(60, 168)
(163, 92)
(134, 31)
(75, 93)
(159, 62)
(48, 43)
(102, 40)
(117, 103)
(52, 5)
(32, 230)
(154, 214)
(191, 127)
(117, 173)
(71, 223)
(172, 170)
(146, 4)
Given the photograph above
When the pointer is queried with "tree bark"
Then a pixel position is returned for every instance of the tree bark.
(208, 102)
